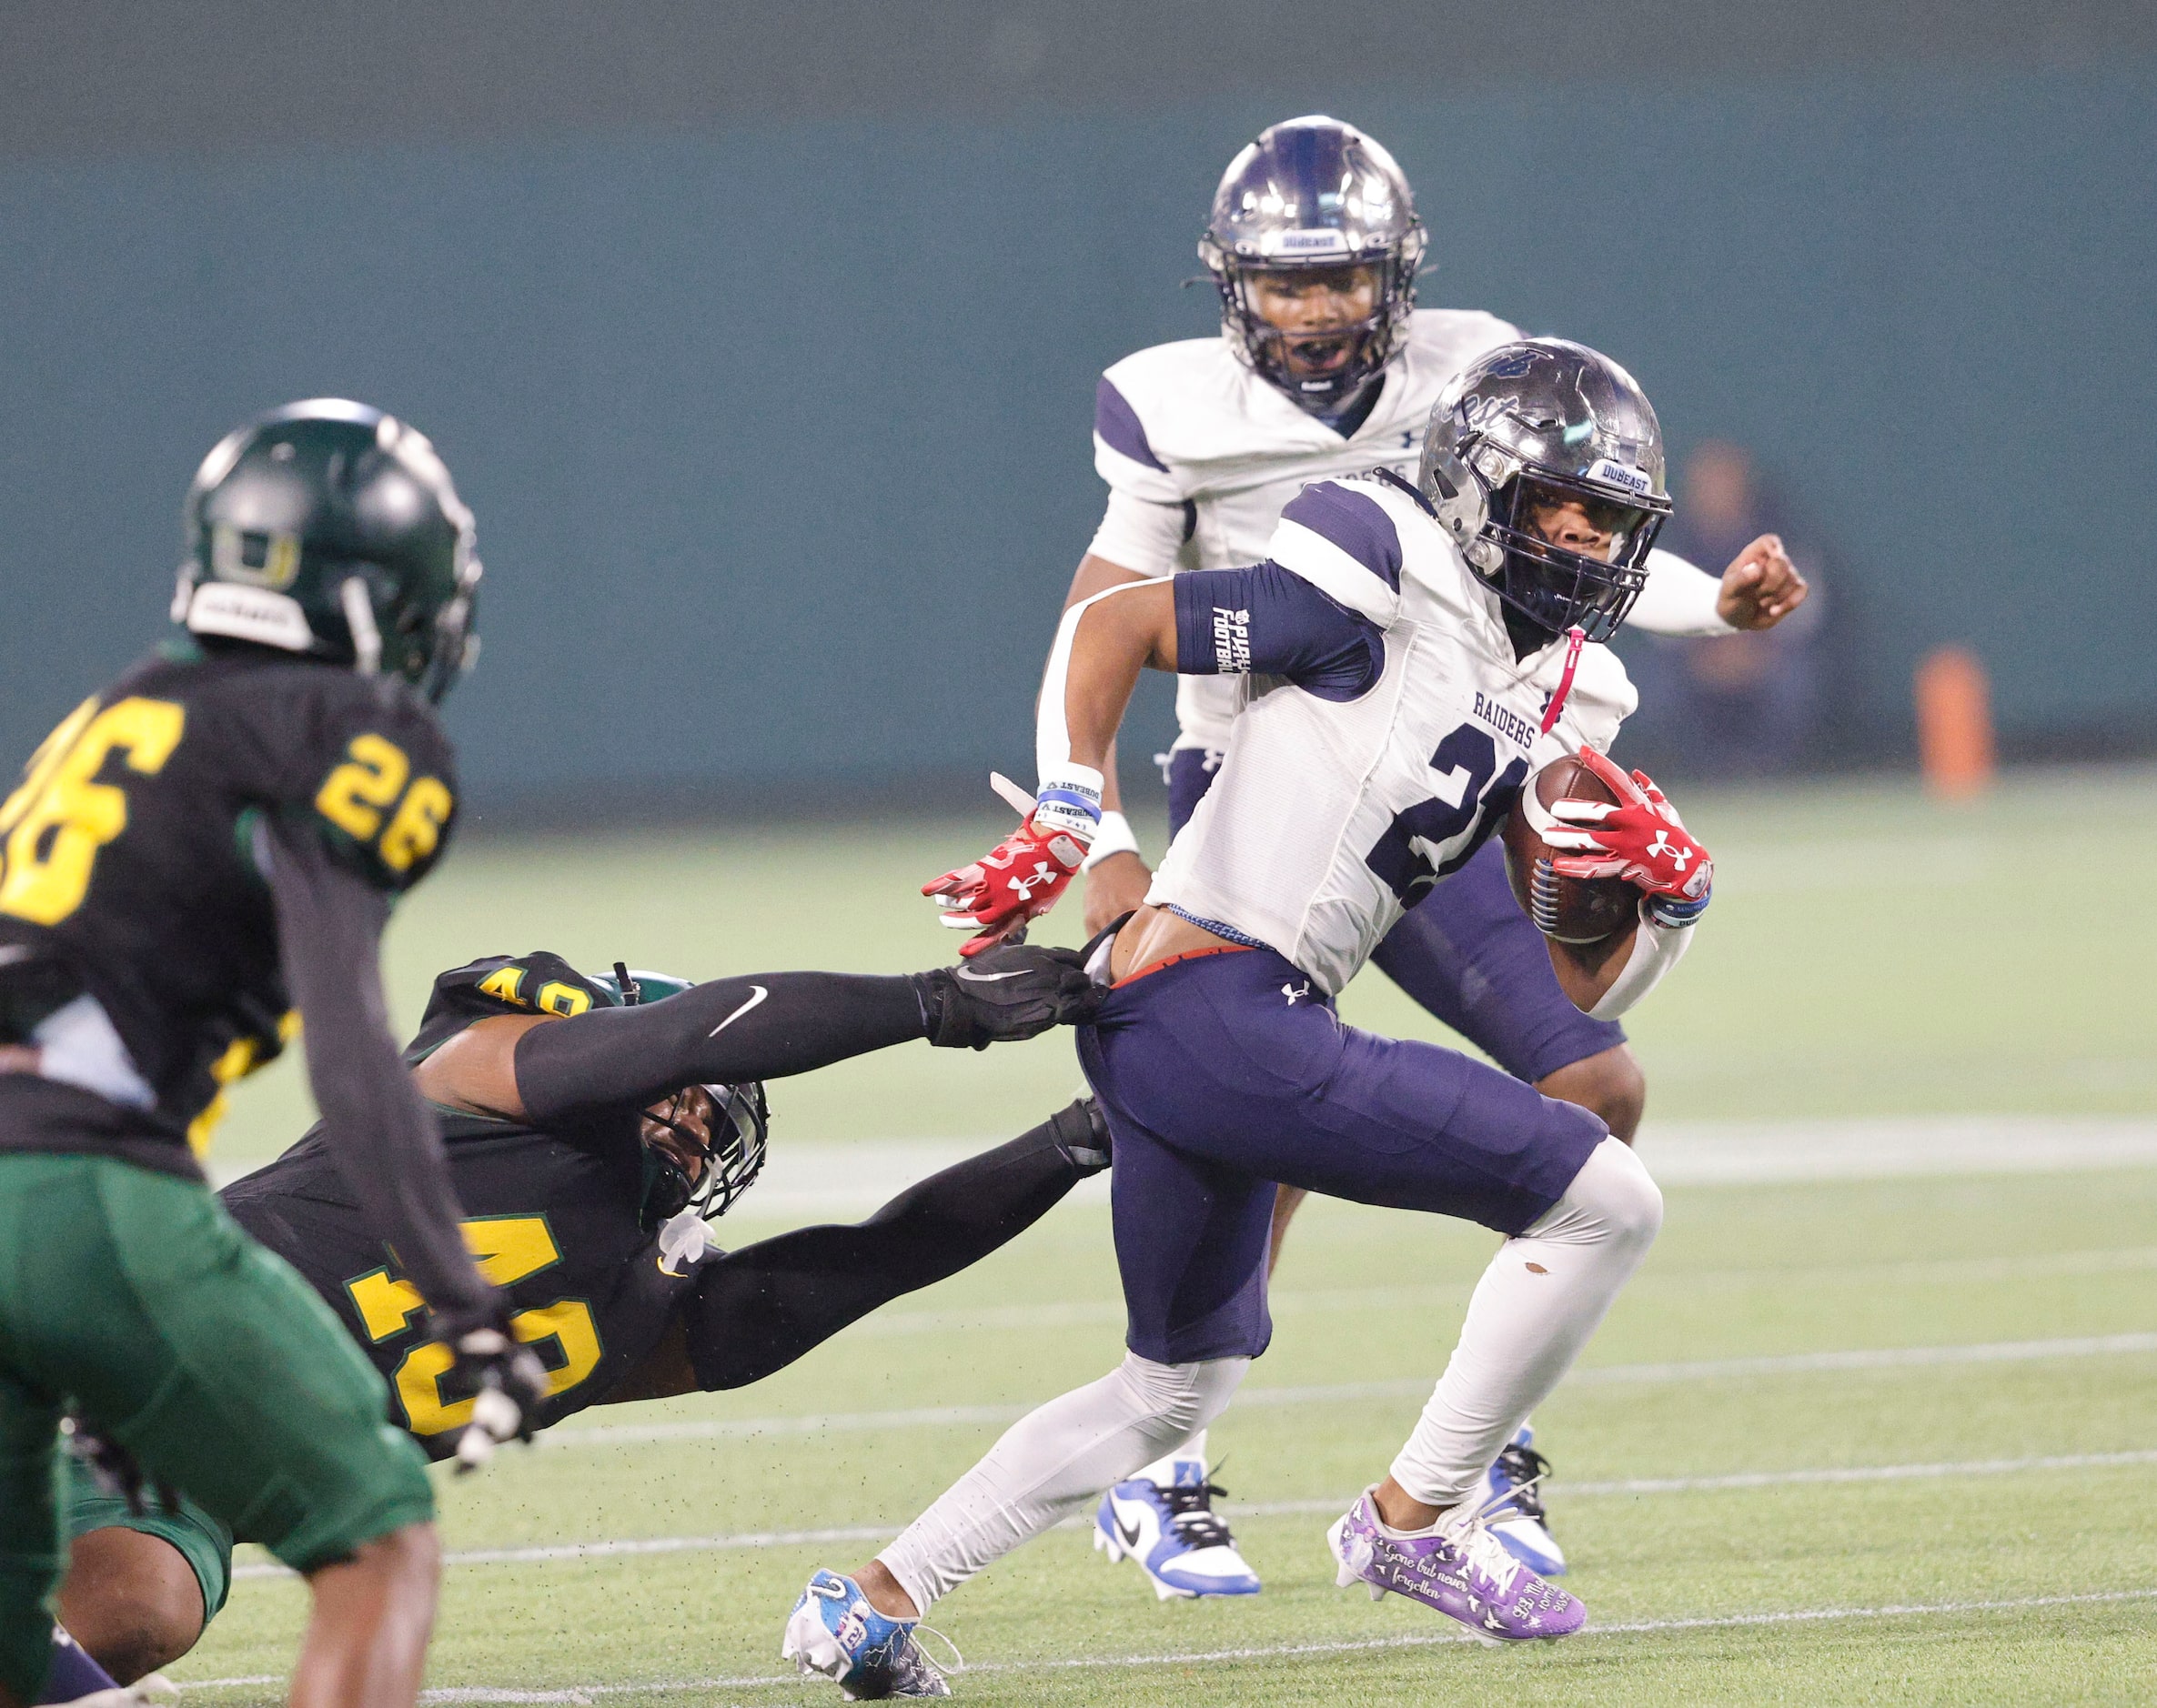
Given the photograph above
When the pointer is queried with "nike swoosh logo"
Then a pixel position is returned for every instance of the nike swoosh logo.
(989, 977)
(757, 993)
(1129, 1532)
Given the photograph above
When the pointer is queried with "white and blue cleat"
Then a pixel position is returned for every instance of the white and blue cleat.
(1174, 1533)
(1513, 1506)
(833, 1631)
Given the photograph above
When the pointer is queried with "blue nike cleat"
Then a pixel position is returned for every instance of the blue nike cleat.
(1513, 1507)
(835, 1631)
(1174, 1533)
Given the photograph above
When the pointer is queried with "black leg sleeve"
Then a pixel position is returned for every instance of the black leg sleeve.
(757, 1310)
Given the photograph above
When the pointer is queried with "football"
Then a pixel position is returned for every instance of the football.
(1567, 909)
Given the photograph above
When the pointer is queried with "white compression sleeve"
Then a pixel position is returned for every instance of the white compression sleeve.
(1162, 1471)
(1054, 1458)
(1052, 727)
(1139, 534)
(1679, 599)
(1541, 1298)
(1656, 949)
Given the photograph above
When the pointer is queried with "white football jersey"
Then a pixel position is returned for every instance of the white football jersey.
(1187, 425)
(1328, 817)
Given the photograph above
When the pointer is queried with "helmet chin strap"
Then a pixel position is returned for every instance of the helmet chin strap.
(359, 617)
(1576, 637)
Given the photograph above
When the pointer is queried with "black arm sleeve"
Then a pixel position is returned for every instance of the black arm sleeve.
(757, 1310)
(388, 1152)
(720, 1033)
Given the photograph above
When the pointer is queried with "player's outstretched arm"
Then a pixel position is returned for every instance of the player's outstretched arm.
(766, 1026)
(1759, 587)
(757, 1310)
(389, 1152)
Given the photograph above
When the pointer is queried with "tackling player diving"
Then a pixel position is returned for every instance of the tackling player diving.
(1409, 654)
(594, 1127)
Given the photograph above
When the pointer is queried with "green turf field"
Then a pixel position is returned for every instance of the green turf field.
(1887, 1439)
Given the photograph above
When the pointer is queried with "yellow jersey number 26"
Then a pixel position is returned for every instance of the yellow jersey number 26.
(52, 827)
(374, 798)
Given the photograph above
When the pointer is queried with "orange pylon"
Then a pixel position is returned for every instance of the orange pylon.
(1954, 705)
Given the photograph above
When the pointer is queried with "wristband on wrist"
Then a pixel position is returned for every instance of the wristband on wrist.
(1676, 912)
(1113, 837)
(1069, 799)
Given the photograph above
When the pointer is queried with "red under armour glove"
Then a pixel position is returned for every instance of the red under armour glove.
(1022, 876)
(1638, 840)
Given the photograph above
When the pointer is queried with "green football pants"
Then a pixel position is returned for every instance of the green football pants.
(133, 1299)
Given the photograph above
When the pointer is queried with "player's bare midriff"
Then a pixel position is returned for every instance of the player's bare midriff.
(1155, 934)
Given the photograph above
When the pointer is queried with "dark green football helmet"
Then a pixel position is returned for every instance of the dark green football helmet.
(331, 530)
(739, 1122)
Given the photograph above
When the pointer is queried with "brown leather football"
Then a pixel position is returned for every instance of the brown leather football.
(1567, 909)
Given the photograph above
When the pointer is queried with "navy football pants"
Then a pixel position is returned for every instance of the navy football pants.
(1224, 1073)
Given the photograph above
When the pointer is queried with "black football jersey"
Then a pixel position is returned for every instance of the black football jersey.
(132, 873)
(555, 1218)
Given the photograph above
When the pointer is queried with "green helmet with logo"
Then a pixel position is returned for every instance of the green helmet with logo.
(329, 529)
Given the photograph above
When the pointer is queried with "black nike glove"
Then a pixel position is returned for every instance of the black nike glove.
(1005, 993)
(1081, 1131)
(511, 1380)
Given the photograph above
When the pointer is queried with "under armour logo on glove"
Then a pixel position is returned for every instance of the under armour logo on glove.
(1024, 885)
(1639, 838)
(1022, 876)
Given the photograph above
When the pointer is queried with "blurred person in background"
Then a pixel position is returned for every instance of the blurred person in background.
(1748, 703)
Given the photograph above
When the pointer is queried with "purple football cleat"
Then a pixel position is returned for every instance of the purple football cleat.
(1457, 1568)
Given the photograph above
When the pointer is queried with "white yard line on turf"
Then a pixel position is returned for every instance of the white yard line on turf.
(575, 1552)
(1453, 1295)
(1280, 1651)
(1702, 1370)
(821, 1179)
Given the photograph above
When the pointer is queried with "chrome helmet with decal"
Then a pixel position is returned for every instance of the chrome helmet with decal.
(1546, 427)
(1314, 194)
(332, 530)
(737, 1123)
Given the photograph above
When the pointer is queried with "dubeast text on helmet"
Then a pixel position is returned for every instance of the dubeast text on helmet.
(329, 529)
(1312, 194)
(1536, 425)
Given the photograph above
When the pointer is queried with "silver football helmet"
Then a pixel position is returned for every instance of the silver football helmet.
(1539, 427)
(1314, 194)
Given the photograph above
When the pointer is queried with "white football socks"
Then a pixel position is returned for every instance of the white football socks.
(1054, 1458)
(1543, 1295)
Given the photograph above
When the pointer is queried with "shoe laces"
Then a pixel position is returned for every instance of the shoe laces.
(958, 1661)
(1191, 1512)
(1522, 1469)
(1487, 1553)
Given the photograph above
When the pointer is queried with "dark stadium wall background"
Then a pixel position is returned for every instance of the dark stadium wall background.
(778, 433)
